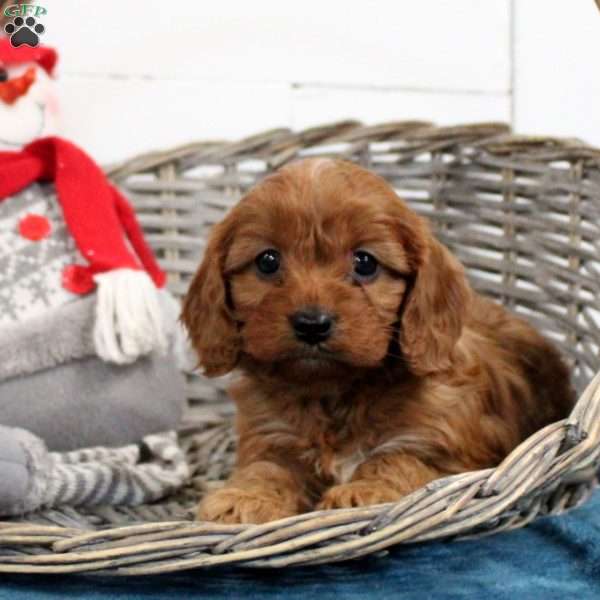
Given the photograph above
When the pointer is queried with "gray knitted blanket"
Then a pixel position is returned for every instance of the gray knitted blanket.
(127, 476)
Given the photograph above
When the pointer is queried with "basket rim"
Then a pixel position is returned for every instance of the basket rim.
(494, 137)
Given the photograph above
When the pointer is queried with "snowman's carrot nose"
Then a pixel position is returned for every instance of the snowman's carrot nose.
(13, 89)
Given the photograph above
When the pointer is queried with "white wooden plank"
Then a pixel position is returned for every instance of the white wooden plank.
(317, 105)
(115, 119)
(433, 44)
(557, 52)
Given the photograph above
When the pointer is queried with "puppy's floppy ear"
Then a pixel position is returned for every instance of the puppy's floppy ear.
(436, 306)
(206, 312)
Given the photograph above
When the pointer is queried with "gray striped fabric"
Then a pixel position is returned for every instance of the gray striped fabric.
(131, 475)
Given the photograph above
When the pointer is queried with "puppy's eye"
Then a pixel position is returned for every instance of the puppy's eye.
(366, 266)
(268, 262)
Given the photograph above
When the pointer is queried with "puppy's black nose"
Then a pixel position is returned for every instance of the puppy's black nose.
(312, 325)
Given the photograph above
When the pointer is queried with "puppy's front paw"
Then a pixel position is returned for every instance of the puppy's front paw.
(236, 505)
(357, 493)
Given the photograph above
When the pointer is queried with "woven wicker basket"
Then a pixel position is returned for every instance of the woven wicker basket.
(523, 214)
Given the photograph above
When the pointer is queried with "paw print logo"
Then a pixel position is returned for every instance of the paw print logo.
(24, 32)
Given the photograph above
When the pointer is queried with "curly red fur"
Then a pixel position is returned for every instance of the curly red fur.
(421, 378)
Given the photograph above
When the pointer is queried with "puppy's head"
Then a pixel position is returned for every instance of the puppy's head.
(321, 271)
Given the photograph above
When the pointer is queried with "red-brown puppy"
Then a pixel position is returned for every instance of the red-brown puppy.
(367, 365)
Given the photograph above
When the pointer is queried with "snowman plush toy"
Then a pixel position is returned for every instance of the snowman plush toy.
(90, 389)
(29, 107)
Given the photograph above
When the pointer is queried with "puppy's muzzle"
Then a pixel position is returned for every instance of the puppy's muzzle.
(312, 325)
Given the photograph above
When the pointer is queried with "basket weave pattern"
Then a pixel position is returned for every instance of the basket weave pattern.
(521, 213)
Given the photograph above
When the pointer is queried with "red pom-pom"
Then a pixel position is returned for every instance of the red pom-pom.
(77, 279)
(34, 227)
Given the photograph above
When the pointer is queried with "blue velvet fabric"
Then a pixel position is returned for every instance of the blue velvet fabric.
(557, 557)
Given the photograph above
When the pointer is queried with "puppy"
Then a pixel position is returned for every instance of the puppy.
(367, 365)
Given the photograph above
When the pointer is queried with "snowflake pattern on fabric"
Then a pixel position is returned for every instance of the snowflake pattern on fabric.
(31, 270)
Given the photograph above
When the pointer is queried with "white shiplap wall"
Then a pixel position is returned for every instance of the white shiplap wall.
(138, 76)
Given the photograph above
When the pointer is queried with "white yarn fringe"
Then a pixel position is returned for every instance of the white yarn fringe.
(129, 320)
